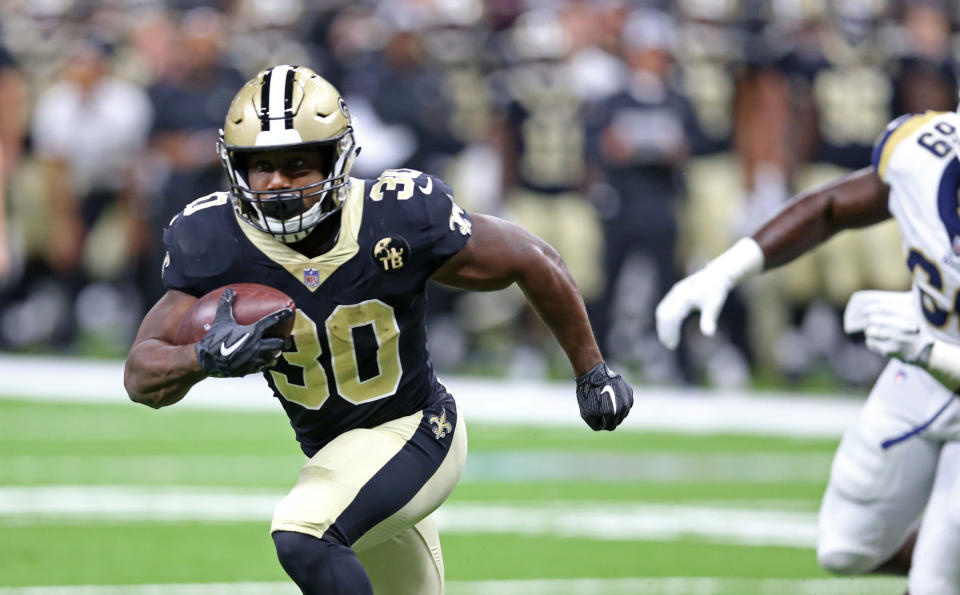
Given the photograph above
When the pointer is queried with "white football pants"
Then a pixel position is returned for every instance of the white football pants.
(896, 460)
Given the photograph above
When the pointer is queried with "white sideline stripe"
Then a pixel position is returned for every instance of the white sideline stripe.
(653, 467)
(581, 586)
(681, 586)
(506, 401)
(507, 466)
(646, 522)
(590, 520)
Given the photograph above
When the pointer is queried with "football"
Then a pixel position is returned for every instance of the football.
(253, 302)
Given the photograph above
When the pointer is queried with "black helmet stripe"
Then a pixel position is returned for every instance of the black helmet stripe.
(276, 98)
(265, 100)
(288, 99)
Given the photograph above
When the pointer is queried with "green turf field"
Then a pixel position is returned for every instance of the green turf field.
(124, 495)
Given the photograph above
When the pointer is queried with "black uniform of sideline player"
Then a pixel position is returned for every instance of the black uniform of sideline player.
(358, 374)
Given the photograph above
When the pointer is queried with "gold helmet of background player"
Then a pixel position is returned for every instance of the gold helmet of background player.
(282, 108)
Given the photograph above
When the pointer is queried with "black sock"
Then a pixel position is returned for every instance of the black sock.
(319, 566)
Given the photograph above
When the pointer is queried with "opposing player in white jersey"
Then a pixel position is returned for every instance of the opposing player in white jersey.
(897, 462)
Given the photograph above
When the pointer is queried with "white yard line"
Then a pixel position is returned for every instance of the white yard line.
(630, 522)
(580, 586)
(650, 467)
(681, 586)
(504, 466)
(506, 401)
(588, 520)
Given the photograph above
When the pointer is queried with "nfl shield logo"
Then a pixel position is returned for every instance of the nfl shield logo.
(955, 244)
(311, 277)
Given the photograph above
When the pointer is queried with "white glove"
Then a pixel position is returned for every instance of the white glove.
(706, 290)
(891, 324)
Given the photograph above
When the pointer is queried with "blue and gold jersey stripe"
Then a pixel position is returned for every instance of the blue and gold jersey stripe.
(896, 131)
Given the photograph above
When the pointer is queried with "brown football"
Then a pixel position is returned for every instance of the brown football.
(253, 302)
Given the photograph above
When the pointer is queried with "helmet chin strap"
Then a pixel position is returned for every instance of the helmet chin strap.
(307, 227)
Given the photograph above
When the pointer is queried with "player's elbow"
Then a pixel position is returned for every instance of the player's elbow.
(549, 263)
(133, 384)
(138, 391)
(552, 257)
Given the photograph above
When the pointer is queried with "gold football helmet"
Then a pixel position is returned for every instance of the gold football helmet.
(288, 107)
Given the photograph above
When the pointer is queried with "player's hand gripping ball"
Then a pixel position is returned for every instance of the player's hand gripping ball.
(604, 397)
(226, 347)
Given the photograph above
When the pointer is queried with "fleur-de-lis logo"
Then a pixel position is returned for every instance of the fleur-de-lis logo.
(440, 425)
(458, 221)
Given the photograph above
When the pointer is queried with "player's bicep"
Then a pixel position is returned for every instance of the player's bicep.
(855, 200)
(163, 318)
(493, 257)
(860, 199)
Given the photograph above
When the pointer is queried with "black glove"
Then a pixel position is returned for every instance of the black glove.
(604, 397)
(230, 349)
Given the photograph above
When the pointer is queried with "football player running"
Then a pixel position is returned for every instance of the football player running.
(386, 442)
(898, 458)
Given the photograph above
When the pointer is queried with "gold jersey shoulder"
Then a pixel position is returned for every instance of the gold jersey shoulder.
(929, 132)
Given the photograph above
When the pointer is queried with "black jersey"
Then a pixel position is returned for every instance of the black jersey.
(359, 355)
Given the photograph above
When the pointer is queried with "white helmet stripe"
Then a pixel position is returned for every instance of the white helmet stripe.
(278, 86)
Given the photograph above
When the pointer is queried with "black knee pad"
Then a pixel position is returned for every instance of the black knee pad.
(321, 566)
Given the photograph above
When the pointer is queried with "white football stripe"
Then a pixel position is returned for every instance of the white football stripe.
(589, 520)
(658, 467)
(504, 402)
(681, 585)
(648, 522)
(508, 466)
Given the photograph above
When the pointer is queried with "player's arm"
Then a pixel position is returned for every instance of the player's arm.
(499, 254)
(809, 219)
(856, 200)
(157, 372)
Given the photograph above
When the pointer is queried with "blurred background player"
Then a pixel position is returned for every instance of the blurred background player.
(541, 143)
(783, 96)
(639, 139)
(87, 133)
(12, 118)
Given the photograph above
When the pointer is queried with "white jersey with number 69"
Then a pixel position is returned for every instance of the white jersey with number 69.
(917, 157)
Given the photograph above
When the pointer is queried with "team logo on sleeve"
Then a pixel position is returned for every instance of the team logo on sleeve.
(457, 220)
(311, 277)
(440, 425)
(391, 253)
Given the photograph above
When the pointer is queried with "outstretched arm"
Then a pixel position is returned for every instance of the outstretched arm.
(809, 219)
(499, 253)
(856, 200)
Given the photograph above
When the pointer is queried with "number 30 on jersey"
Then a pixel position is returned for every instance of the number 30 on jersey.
(304, 379)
